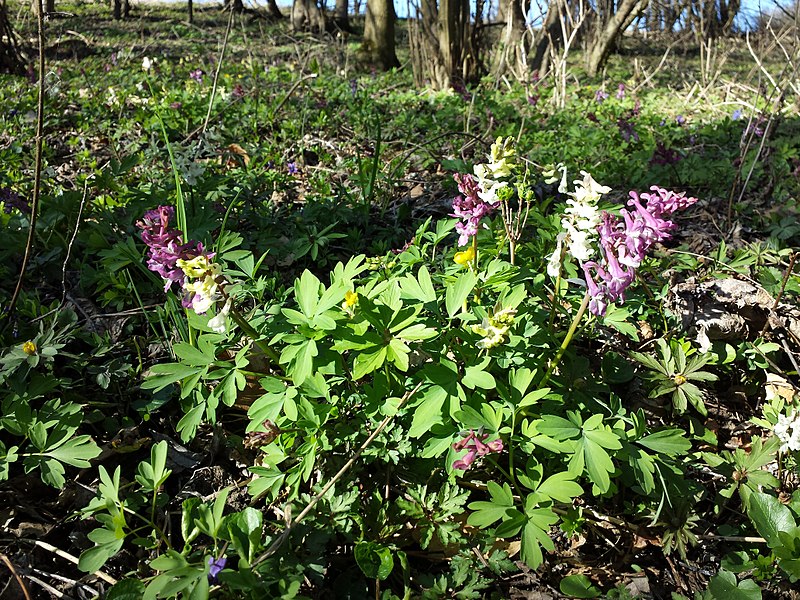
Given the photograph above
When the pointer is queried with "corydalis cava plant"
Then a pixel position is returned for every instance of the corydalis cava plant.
(579, 223)
(480, 193)
(625, 241)
(187, 265)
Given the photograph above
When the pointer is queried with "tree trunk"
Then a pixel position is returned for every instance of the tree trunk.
(512, 52)
(606, 37)
(552, 36)
(10, 60)
(306, 14)
(379, 44)
(190, 7)
(454, 41)
(49, 6)
(273, 11)
(117, 10)
(341, 16)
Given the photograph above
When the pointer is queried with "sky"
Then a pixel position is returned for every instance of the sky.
(747, 15)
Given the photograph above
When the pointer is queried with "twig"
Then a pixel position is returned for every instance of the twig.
(63, 579)
(290, 92)
(72, 559)
(21, 583)
(279, 541)
(37, 179)
(216, 73)
(48, 587)
(733, 538)
(72, 241)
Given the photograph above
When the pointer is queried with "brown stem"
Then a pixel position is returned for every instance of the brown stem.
(37, 180)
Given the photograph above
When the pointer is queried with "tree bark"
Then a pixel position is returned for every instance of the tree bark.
(552, 36)
(378, 46)
(273, 10)
(512, 52)
(606, 37)
(49, 6)
(341, 16)
(306, 14)
(190, 7)
(10, 60)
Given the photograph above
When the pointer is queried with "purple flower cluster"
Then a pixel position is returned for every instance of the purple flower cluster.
(621, 92)
(626, 241)
(197, 75)
(166, 245)
(475, 446)
(627, 130)
(468, 207)
(600, 96)
(12, 200)
(664, 156)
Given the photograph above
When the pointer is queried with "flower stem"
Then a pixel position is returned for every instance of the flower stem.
(243, 324)
(567, 340)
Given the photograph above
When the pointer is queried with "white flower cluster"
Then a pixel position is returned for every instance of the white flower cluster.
(501, 162)
(580, 222)
(787, 430)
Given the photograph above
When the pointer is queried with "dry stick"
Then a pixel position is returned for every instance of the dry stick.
(216, 74)
(73, 560)
(290, 525)
(21, 583)
(37, 181)
(72, 241)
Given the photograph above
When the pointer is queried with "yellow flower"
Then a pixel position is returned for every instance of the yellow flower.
(465, 257)
(29, 348)
(494, 328)
(198, 266)
(350, 298)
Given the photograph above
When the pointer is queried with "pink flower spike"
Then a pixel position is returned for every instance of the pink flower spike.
(475, 447)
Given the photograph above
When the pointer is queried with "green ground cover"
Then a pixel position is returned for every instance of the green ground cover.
(360, 397)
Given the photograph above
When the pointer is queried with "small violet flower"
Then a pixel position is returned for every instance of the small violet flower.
(680, 120)
(292, 168)
(214, 568)
(600, 96)
(621, 92)
(197, 75)
(475, 446)
(737, 114)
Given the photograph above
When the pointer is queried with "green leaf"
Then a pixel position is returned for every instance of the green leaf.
(560, 487)
(374, 560)
(127, 589)
(306, 292)
(578, 586)
(598, 463)
(166, 374)
(429, 411)
(475, 376)
(190, 355)
(76, 452)
(770, 517)
(94, 558)
(366, 362)
(458, 292)
(723, 587)
(667, 441)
